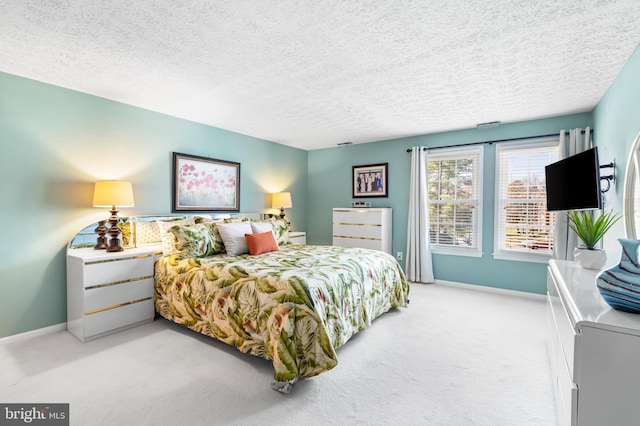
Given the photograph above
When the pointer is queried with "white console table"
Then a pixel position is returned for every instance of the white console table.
(594, 351)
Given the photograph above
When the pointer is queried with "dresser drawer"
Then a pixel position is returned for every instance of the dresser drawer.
(116, 294)
(113, 319)
(117, 270)
(357, 217)
(566, 332)
(362, 231)
(357, 242)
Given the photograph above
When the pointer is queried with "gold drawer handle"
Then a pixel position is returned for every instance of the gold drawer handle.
(118, 259)
(108, 308)
(356, 238)
(119, 282)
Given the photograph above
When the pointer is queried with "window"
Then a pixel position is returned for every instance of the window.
(455, 206)
(523, 227)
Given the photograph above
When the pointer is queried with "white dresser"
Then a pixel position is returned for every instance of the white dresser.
(367, 228)
(107, 292)
(594, 351)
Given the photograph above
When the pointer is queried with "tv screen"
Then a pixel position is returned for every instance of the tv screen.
(573, 183)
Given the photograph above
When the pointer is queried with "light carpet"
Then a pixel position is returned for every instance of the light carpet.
(455, 356)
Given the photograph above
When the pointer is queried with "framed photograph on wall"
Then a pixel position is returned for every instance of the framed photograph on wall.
(370, 180)
(205, 184)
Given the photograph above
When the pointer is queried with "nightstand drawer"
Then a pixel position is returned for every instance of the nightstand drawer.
(297, 237)
(116, 294)
(117, 270)
(113, 319)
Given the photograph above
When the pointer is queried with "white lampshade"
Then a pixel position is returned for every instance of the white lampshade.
(109, 193)
(281, 200)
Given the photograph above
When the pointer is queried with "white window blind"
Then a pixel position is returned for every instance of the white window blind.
(455, 196)
(523, 227)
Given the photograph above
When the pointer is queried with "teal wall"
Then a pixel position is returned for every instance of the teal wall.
(616, 124)
(616, 127)
(54, 144)
(330, 186)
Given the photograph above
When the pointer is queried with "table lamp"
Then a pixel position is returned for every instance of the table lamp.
(112, 194)
(281, 200)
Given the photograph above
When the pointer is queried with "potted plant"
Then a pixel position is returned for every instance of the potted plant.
(590, 231)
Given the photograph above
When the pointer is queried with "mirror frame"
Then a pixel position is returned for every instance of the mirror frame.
(631, 187)
(85, 237)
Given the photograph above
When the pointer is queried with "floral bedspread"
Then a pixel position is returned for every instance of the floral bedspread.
(294, 306)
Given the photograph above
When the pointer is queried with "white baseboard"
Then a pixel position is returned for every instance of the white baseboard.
(33, 333)
(483, 288)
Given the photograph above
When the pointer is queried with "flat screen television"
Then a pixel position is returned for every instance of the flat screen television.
(573, 183)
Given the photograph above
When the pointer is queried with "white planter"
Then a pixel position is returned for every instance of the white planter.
(590, 259)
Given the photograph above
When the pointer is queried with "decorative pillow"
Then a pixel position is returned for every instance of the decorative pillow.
(217, 239)
(232, 235)
(168, 239)
(207, 219)
(147, 232)
(196, 240)
(235, 219)
(261, 243)
(261, 227)
(125, 227)
(280, 230)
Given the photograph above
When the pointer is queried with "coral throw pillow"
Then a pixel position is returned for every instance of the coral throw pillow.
(261, 243)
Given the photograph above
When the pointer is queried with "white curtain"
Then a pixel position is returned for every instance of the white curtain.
(565, 240)
(419, 267)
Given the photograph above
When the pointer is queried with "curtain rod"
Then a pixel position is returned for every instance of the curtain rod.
(426, 148)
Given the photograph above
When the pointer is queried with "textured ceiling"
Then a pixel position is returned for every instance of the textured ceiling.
(311, 74)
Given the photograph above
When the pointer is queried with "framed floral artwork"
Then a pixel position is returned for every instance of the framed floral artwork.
(370, 180)
(205, 184)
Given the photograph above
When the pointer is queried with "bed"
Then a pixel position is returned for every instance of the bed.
(294, 305)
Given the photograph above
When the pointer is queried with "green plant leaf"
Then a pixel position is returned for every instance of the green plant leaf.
(591, 231)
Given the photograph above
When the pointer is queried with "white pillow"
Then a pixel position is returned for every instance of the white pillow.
(262, 227)
(232, 235)
(168, 239)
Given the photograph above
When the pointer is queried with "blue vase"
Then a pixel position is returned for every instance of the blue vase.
(619, 285)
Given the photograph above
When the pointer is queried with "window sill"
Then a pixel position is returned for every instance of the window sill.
(453, 251)
(523, 257)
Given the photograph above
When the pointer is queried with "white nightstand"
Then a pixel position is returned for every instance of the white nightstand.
(107, 292)
(298, 237)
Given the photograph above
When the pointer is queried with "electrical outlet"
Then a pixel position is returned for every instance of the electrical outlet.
(399, 255)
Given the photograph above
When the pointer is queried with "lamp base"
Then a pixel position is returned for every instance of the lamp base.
(285, 220)
(114, 232)
(101, 230)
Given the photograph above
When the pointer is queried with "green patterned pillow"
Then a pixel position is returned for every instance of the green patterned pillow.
(280, 229)
(168, 239)
(216, 238)
(125, 227)
(199, 240)
(235, 220)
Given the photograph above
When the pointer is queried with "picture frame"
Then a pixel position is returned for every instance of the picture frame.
(205, 184)
(370, 180)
